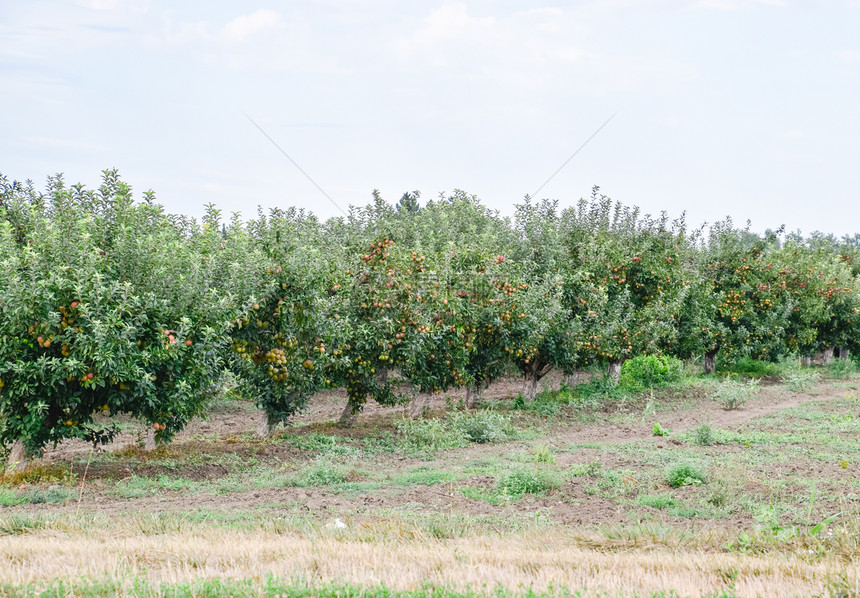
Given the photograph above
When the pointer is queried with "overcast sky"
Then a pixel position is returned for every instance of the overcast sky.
(748, 108)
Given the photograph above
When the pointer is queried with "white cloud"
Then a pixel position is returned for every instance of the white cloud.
(525, 51)
(246, 26)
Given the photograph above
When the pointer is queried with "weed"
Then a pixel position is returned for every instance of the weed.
(591, 470)
(483, 426)
(321, 443)
(35, 496)
(528, 481)
(842, 369)
(137, 486)
(661, 501)
(429, 435)
(424, 475)
(160, 523)
(15, 525)
(322, 472)
(752, 368)
(685, 474)
(659, 430)
(732, 394)
(612, 484)
(703, 435)
(39, 473)
(543, 454)
(801, 380)
(600, 388)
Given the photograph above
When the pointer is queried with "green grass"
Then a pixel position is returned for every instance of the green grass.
(424, 475)
(273, 587)
(35, 496)
(138, 486)
(456, 431)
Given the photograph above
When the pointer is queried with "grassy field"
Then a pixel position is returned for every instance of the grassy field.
(710, 487)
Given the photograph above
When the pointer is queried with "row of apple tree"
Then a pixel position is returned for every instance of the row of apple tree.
(109, 305)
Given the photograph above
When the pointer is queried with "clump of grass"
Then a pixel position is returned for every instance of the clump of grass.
(456, 431)
(801, 380)
(703, 435)
(685, 474)
(661, 501)
(732, 394)
(600, 388)
(543, 454)
(320, 443)
(429, 435)
(322, 472)
(591, 470)
(483, 426)
(39, 473)
(550, 403)
(15, 525)
(35, 496)
(528, 481)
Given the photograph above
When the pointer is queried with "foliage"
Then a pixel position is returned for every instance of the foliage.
(111, 306)
(106, 307)
(648, 371)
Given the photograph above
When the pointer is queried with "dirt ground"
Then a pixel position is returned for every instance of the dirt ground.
(228, 432)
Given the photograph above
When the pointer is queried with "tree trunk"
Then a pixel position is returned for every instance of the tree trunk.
(473, 394)
(349, 415)
(419, 403)
(530, 388)
(571, 380)
(615, 371)
(806, 361)
(711, 361)
(149, 443)
(18, 460)
(827, 356)
(844, 353)
(264, 426)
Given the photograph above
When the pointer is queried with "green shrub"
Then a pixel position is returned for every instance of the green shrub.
(483, 426)
(429, 435)
(801, 380)
(752, 368)
(703, 435)
(842, 369)
(685, 474)
(732, 394)
(647, 371)
(455, 431)
(659, 430)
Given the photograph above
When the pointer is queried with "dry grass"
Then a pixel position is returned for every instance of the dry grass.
(403, 557)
